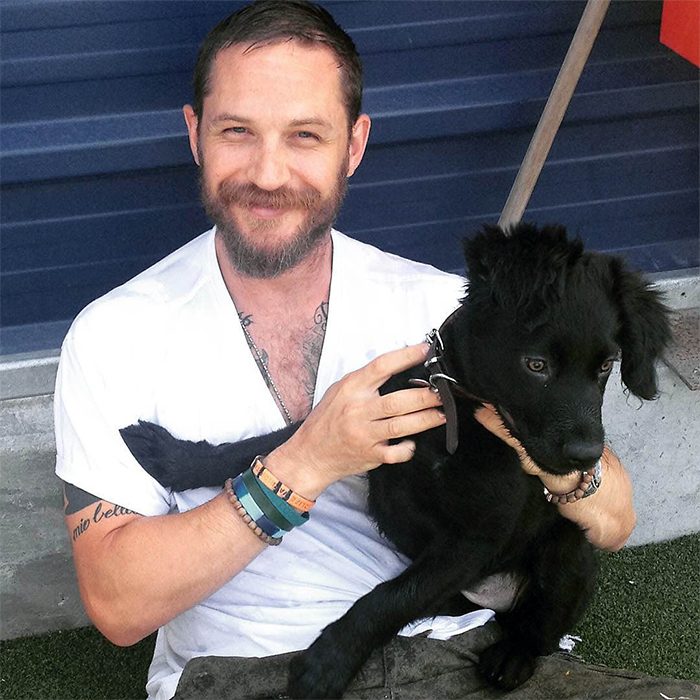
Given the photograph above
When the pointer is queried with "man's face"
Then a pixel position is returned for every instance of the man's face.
(275, 151)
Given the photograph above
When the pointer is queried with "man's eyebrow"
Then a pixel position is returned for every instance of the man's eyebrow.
(226, 117)
(295, 123)
(311, 121)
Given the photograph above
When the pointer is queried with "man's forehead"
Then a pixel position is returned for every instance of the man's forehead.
(288, 52)
(301, 79)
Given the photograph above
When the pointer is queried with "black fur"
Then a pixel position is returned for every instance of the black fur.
(535, 336)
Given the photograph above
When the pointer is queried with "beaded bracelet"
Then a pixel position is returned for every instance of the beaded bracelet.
(228, 487)
(265, 476)
(589, 484)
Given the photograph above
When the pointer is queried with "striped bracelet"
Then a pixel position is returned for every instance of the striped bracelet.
(275, 527)
(247, 518)
(278, 510)
(265, 476)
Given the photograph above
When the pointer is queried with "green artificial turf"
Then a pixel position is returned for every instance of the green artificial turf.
(644, 617)
(77, 664)
(646, 613)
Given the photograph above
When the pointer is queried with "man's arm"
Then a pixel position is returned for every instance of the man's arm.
(138, 572)
(607, 517)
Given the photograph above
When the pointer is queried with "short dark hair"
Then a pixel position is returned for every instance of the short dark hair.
(270, 21)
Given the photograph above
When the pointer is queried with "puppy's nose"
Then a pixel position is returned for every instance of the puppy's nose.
(583, 453)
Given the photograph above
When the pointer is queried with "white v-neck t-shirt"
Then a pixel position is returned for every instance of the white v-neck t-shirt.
(168, 347)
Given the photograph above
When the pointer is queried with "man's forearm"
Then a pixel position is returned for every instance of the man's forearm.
(138, 575)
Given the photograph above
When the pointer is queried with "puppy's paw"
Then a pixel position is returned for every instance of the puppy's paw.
(506, 665)
(324, 670)
(157, 451)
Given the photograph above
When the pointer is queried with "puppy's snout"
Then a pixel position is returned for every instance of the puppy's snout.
(583, 453)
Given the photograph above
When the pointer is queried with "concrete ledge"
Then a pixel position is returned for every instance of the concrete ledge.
(38, 589)
(658, 442)
(28, 374)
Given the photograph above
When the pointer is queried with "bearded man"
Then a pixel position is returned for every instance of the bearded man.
(268, 318)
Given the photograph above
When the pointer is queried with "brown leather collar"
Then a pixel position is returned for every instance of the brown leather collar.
(440, 379)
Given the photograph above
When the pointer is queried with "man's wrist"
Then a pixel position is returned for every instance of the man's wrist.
(560, 484)
(293, 469)
(588, 483)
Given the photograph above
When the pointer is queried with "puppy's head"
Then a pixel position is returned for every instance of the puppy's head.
(538, 334)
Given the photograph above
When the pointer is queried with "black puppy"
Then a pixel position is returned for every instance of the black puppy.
(537, 336)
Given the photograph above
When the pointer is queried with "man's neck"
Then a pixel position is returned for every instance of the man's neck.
(305, 285)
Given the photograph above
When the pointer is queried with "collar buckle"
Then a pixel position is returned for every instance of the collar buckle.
(440, 382)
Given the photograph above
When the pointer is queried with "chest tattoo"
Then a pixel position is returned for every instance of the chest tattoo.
(288, 359)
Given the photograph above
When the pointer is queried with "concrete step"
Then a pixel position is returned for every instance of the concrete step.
(683, 357)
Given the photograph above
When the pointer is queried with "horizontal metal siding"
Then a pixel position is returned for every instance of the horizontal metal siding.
(97, 179)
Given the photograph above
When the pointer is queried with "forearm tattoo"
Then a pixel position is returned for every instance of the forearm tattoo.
(75, 500)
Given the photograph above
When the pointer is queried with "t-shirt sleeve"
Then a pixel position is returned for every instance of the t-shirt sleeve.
(91, 403)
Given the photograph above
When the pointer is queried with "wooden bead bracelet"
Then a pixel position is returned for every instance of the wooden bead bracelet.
(589, 484)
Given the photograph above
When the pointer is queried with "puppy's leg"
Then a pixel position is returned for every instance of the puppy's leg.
(326, 668)
(560, 585)
(182, 464)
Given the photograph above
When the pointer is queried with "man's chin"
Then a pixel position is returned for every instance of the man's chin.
(251, 256)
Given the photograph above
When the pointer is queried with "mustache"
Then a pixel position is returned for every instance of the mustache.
(250, 195)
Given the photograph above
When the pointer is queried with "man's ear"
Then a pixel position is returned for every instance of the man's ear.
(192, 122)
(358, 142)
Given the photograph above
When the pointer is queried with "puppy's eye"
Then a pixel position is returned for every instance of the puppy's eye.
(535, 364)
(607, 365)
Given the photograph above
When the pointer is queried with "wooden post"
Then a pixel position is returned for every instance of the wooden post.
(554, 110)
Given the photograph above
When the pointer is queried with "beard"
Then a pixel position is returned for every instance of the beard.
(246, 251)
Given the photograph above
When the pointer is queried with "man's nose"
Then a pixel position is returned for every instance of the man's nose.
(268, 167)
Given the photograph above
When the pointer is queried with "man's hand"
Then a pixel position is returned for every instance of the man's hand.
(352, 428)
(607, 517)
(489, 417)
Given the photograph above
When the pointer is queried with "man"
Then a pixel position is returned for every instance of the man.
(276, 131)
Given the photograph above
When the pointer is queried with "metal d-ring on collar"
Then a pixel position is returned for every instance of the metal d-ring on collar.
(441, 382)
(434, 361)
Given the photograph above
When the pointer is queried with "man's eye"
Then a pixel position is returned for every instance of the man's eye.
(307, 135)
(235, 130)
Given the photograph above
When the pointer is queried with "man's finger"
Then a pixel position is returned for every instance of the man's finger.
(398, 453)
(393, 362)
(489, 417)
(398, 403)
(492, 421)
(409, 424)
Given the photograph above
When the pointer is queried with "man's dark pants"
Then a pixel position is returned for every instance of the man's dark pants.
(427, 669)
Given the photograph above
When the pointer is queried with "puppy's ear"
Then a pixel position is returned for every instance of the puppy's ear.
(644, 332)
(483, 253)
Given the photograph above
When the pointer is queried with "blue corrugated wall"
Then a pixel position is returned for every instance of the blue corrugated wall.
(97, 180)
